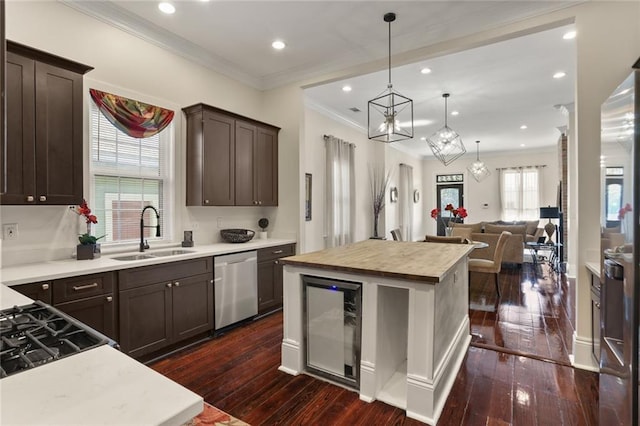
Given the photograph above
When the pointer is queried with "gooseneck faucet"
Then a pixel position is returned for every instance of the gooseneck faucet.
(143, 244)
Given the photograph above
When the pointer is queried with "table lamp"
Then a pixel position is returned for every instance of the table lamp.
(549, 213)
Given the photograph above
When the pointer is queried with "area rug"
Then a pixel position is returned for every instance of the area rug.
(211, 416)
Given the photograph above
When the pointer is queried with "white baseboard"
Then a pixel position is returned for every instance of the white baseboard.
(582, 354)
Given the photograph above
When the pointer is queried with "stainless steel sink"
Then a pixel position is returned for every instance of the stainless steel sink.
(134, 257)
(152, 255)
(170, 252)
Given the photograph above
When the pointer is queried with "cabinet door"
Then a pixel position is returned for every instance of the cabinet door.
(35, 291)
(18, 166)
(244, 162)
(145, 319)
(192, 306)
(97, 312)
(217, 165)
(58, 104)
(266, 287)
(266, 164)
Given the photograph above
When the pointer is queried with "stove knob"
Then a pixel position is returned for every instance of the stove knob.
(109, 299)
(45, 286)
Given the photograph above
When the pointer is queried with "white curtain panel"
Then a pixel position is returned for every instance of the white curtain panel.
(405, 198)
(340, 203)
(520, 193)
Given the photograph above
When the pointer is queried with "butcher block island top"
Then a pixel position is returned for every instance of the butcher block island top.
(415, 261)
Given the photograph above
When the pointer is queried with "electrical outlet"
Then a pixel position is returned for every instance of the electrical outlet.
(10, 231)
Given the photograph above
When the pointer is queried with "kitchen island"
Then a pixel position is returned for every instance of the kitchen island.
(414, 318)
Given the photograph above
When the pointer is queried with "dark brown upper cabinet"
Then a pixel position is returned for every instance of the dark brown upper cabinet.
(231, 160)
(42, 162)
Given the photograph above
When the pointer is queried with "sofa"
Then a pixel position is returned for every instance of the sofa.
(488, 232)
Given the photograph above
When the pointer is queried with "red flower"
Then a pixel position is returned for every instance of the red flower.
(435, 213)
(84, 210)
(449, 207)
(454, 212)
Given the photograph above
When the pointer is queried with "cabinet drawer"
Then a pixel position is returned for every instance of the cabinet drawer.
(276, 252)
(75, 288)
(137, 277)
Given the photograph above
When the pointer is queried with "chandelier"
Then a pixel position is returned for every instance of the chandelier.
(390, 114)
(446, 144)
(478, 169)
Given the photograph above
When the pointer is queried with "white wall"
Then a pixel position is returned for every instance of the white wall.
(367, 152)
(477, 193)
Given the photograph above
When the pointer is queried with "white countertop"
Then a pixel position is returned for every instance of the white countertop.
(44, 271)
(594, 268)
(96, 387)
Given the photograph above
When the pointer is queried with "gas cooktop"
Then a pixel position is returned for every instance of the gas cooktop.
(35, 334)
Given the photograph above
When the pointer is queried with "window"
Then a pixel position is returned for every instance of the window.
(128, 174)
(520, 191)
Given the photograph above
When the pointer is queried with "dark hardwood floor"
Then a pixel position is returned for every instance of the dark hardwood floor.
(238, 373)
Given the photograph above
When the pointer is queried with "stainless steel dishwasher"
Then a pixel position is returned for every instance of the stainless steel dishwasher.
(236, 287)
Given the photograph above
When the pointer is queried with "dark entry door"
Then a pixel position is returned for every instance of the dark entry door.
(449, 194)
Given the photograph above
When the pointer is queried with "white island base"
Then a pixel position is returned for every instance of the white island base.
(415, 333)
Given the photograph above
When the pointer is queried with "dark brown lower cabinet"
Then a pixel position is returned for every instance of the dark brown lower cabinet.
(36, 291)
(270, 276)
(145, 319)
(97, 312)
(165, 304)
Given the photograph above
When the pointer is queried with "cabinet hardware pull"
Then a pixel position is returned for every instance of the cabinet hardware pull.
(211, 281)
(278, 252)
(177, 283)
(45, 286)
(598, 305)
(43, 198)
(276, 262)
(168, 284)
(109, 299)
(260, 202)
(30, 198)
(206, 201)
(84, 287)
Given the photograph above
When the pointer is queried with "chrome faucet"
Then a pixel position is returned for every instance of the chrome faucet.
(143, 243)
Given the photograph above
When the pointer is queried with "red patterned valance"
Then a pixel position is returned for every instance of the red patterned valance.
(136, 119)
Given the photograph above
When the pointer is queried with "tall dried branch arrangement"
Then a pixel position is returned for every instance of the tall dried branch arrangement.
(379, 183)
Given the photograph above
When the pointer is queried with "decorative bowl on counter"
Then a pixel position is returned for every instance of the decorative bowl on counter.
(237, 235)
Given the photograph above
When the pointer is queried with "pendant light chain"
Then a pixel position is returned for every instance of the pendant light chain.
(390, 54)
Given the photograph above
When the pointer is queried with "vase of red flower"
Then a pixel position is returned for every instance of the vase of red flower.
(88, 247)
(454, 214)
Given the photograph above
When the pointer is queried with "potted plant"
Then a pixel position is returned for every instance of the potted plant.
(88, 247)
(263, 224)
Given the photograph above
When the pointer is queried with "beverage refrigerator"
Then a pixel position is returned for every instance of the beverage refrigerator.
(620, 238)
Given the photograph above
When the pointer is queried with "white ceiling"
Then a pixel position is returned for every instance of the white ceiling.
(495, 88)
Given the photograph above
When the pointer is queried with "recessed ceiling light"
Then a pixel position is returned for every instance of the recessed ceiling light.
(523, 127)
(522, 145)
(346, 88)
(425, 70)
(570, 35)
(278, 45)
(455, 113)
(166, 8)
(559, 74)
(423, 138)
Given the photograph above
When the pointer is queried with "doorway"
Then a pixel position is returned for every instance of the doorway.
(449, 194)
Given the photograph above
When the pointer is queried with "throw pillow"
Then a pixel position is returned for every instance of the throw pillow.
(475, 227)
(531, 226)
(497, 229)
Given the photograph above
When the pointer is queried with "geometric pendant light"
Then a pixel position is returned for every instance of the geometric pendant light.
(478, 169)
(446, 144)
(390, 114)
